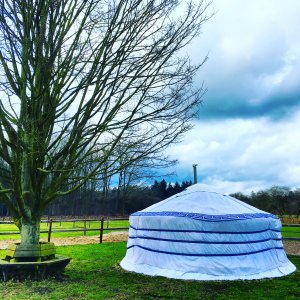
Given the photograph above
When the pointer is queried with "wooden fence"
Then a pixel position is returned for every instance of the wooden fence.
(85, 229)
(101, 229)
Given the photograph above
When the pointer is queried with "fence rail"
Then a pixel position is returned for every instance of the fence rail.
(75, 220)
(101, 228)
(291, 225)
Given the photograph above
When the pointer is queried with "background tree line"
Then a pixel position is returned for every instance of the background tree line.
(278, 200)
(119, 200)
(123, 199)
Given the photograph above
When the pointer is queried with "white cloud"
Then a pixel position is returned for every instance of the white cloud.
(251, 138)
(242, 155)
(254, 56)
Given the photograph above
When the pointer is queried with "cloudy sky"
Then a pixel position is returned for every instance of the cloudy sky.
(248, 133)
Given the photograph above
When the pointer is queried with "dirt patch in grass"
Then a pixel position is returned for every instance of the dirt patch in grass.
(120, 236)
(82, 240)
(291, 247)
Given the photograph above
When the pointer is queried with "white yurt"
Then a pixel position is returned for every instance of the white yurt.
(205, 236)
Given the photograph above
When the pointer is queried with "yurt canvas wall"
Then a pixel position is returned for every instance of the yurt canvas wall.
(205, 236)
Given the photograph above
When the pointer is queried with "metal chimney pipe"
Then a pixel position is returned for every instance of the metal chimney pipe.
(195, 173)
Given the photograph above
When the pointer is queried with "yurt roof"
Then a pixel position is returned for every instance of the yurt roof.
(196, 203)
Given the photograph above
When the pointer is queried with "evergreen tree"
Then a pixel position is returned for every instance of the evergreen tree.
(163, 189)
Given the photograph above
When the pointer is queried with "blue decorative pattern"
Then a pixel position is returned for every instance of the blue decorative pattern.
(203, 217)
(204, 254)
(203, 231)
(199, 241)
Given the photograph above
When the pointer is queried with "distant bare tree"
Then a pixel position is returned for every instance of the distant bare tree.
(140, 170)
(76, 77)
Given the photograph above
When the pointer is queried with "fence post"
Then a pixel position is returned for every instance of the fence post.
(84, 228)
(49, 231)
(101, 230)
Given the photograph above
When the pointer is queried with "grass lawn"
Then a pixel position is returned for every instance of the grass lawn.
(94, 274)
(291, 232)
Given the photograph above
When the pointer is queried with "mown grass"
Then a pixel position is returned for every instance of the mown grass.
(291, 232)
(94, 273)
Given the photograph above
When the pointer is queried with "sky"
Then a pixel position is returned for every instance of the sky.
(247, 135)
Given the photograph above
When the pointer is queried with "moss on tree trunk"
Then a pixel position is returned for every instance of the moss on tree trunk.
(30, 232)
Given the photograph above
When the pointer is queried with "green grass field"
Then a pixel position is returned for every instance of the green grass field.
(291, 232)
(286, 231)
(94, 273)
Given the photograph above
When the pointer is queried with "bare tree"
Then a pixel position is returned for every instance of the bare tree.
(76, 77)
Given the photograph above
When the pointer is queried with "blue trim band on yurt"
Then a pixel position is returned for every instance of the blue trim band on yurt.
(203, 231)
(204, 254)
(202, 242)
(202, 217)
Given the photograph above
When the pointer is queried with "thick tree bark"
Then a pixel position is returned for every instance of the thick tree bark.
(30, 232)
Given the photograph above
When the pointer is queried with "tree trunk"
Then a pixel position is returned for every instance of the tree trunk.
(30, 232)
